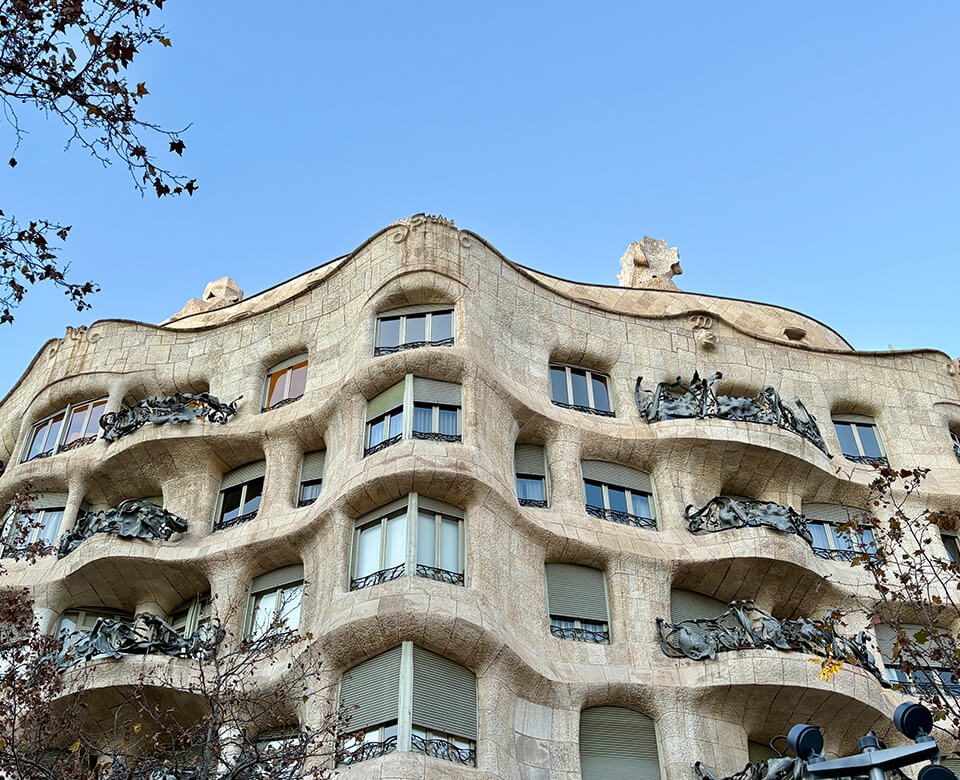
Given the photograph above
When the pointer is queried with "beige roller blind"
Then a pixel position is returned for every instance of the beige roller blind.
(243, 474)
(831, 513)
(311, 468)
(388, 400)
(688, 605)
(444, 695)
(615, 474)
(49, 501)
(432, 505)
(370, 691)
(618, 744)
(529, 459)
(433, 391)
(425, 308)
(576, 592)
(277, 578)
(288, 363)
(760, 752)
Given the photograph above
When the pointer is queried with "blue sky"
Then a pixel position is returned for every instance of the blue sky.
(803, 155)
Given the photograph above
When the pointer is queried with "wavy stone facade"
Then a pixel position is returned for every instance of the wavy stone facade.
(511, 324)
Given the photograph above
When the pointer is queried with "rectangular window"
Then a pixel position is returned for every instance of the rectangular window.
(191, 615)
(240, 494)
(439, 547)
(955, 438)
(628, 506)
(834, 543)
(37, 531)
(311, 477)
(83, 424)
(530, 466)
(577, 603)
(384, 430)
(860, 440)
(275, 601)
(44, 438)
(433, 421)
(580, 389)
(416, 329)
(380, 550)
(285, 384)
(531, 490)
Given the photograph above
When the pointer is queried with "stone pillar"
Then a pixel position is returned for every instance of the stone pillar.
(563, 462)
(283, 458)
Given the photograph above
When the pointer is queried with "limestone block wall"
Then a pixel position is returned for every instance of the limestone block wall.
(511, 324)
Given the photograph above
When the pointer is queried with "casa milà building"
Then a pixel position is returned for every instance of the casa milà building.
(484, 494)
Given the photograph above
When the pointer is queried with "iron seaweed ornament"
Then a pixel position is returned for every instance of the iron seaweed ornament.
(673, 400)
(131, 519)
(782, 768)
(723, 513)
(178, 408)
(744, 626)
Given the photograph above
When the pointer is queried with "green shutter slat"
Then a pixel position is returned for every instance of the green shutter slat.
(576, 592)
(760, 752)
(831, 513)
(615, 474)
(389, 399)
(243, 474)
(529, 459)
(49, 501)
(432, 505)
(688, 605)
(277, 577)
(618, 744)
(370, 690)
(312, 466)
(433, 391)
(444, 695)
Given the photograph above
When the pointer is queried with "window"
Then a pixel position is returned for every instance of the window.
(311, 477)
(84, 620)
(240, 494)
(50, 435)
(825, 522)
(415, 408)
(273, 610)
(577, 603)
(413, 535)
(279, 754)
(531, 470)
(860, 439)
(580, 389)
(191, 615)
(690, 605)
(38, 529)
(285, 383)
(618, 744)
(950, 544)
(926, 678)
(418, 326)
(618, 493)
(440, 721)
(955, 438)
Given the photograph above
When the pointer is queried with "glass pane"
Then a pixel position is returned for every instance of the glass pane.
(561, 622)
(579, 381)
(310, 491)
(275, 394)
(51, 526)
(68, 623)
(426, 539)
(422, 418)
(298, 381)
(448, 421)
(841, 539)
(848, 444)
(558, 385)
(952, 548)
(416, 328)
(55, 426)
(93, 424)
(450, 545)
(441, 326)
(36, 445)
(869, 441)
(396, 423)
(601, 400)
(368, 550)
(291, 599)
(594, 493)
(531, 488)
(641, 505)
(230, 503)
(867, 541)
(376, 432)
(389, 332)
(264, 607)
(75, 426)
(396, 552)
(618, 499)
(819, 533)
(254, 492)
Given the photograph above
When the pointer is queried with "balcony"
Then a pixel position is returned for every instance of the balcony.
(382, 445)
(131, 519)
(378, 351)
(585, 409)
(624, 518)
(377, 578)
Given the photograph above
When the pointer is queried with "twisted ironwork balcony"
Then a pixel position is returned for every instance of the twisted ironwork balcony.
(601, 637)
(836, 555)
(78, 443)
(177, 409)
(432, 436)
(378, 577)
(440, 575)
(131, 519)
(441, 748)
(284, 402)
(378, 351)
(724, 513)
(624, 518)
(39, 456)
(585, 409)
(540, 503)
(238, 520)
(868, 460)
(366, 750)
(382, 445)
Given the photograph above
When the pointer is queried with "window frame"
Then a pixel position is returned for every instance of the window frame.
(286, 368)
(64, 445)
(835, 550)
(591, 407)
(15, 520)
(955, 439)
(406, 411)
(615, 515)
(65, 417)
(198, 612)
(434, 433)
(402, 343)
(240, 519)
(387, 419)
(853, 420)
(252, 599)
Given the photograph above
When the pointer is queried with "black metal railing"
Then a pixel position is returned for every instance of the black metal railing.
(930, 689)
(585, 409)
(431, 436)
(868, 460)
(835, 555)
(956, 451)
(441, 748)
(601, 637)
(366, 750)
(440, 575)
(39, 456)
(307, 501)
(382, 445)
(377, 577)
(284, 402)
(78, 443)
(221, 524)
(378, 351)
(624, 518)
(540, 503)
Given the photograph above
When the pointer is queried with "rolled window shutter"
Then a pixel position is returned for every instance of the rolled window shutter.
(433, 391)
(854, 418)
(288, 363)
(831, 513)
(444, 695)
(758, 752)
(49, 501)
(576, 592)
(529, 459)
(370, 691)
(618, 744)
(388, 400)
(953, 764)
(687, 605)
(387, 509)
(276, 578)
(615, 474)
(422, 309)
(431, 505)
(243, 474)
(887, 635)
(311, 468)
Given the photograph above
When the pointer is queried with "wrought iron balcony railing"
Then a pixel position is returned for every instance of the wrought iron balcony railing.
(284, 402)
(376, 578)
(39, 456)
(868, 460)
(601, 637)
(440, 575)
(624, 518)
(432, 436)
(382, 445)
(441, 748)
(832, 554)
(366, 750)
(178, 408)
(221, 524)
(131, 519)
(378, 351)
(585, 409)
(78, 443)
(539, 503)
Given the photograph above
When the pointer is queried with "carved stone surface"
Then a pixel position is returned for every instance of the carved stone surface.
(723, 513)
(649, 263)
(178, 408)
(744, 626)
(145, 634)
(672, 400)
(131, 519)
